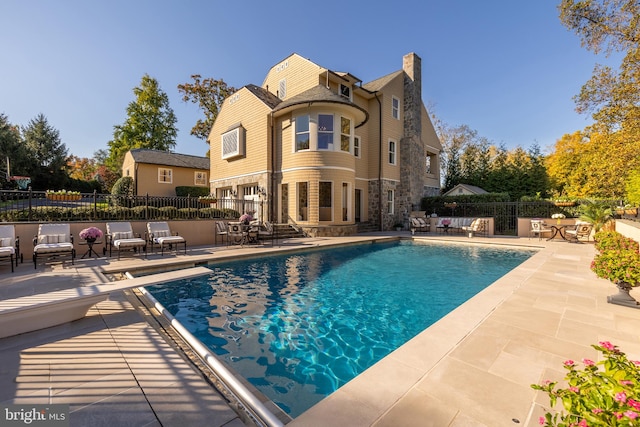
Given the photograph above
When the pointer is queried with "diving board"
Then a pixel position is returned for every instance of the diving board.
(33, 312)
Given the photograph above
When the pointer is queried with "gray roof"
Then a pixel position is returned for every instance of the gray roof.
(167, 158)
(264, 95)
(378, 84)
(319, 94)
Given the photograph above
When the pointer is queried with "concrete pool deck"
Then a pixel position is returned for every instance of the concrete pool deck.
(472, 368)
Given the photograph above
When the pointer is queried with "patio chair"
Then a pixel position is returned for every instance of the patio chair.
(235, 233)
(221, 230)
(266, 230)
(477, 226)
(581, 231)
(160, 234)
(52, 241)
(538, 227)
(418, 225)
(9, 245)
(120, 236)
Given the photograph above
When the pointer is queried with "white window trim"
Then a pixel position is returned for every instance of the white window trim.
(341, 93)
(391, 197)
(295, 133)
(332, 145)
(160, 175)
(395, 113)
(359, 150)
(227, 150)
(395, 151)
(350, 135)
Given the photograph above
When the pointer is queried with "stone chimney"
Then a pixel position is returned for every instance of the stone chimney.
(412, 152)
(412, 67)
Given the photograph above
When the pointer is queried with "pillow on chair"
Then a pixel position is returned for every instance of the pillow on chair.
(122, 235)
(5, 241)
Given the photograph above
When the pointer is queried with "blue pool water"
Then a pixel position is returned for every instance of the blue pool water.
(299, 326)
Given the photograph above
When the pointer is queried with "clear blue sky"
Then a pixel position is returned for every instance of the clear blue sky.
(507, 69)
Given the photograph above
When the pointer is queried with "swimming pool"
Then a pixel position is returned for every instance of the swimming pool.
(299, 326)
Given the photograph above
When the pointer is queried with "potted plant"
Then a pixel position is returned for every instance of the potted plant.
(594, 397)
(398, 226)
(208, 199)
(618, 260)
(90, 234)
(596, 213)
(63, 195)
(558, 217)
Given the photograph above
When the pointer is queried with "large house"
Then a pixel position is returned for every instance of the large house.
(158, 173)
(325, 151)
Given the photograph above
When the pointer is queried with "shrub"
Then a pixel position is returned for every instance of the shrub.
(191, 190)
(596, 398)
(168, 212)
(188, 213)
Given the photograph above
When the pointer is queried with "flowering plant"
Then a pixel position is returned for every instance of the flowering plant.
(90, 233)
(618, 258)
(246, 218)
(208, 199)
(65, 192)
(558, 216)
(596, 398)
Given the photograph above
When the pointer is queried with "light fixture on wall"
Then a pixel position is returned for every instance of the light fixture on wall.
(262, 192)
(233, 193)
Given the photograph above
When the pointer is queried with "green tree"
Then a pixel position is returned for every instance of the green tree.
(12, 148)
(150, 123)
(608, 26)
(209, 94)
(633, 187)
(48, 154)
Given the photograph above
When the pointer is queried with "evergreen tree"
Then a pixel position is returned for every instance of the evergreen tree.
(12, 147)
(48, 155)
(150, 123)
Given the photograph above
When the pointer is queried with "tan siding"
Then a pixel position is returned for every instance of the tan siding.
(255, 121)
(300, 74)
(431, 141)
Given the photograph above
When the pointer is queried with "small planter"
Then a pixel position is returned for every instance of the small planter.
(64, 197)
(564, 204)
(207, 201)
(623, 297)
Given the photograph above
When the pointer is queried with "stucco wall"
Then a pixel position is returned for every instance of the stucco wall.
(196, 233)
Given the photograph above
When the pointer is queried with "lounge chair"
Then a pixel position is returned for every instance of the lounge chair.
(418, 225)
(9, 245)
(477, 226)
(160, 234)
(52, 241)
(235, 233)
(538, 227)
(266, 230)
(120, 236)
(221, 230)
(581, 231)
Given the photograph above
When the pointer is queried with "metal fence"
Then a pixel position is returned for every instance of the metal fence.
(38, 206)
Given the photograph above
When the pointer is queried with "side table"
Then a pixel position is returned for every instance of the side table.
(90, 244)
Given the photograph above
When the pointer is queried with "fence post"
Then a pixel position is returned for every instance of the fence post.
(30, 196)
(95, 204)
(146, 207)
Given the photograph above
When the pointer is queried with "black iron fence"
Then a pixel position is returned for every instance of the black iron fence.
(39, 206)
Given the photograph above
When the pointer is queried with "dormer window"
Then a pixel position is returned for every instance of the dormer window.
(345, 91)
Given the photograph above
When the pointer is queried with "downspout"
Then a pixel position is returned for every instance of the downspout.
(135, 178)
(379, 160)
(271, 205)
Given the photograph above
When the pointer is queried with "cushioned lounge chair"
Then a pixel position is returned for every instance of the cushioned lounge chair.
(221, 230)
(581, 231)
(160, 234)
(121, 238)
(265, 230)
(477, 226)
(9, 245)
(52, 241)
(418, 225)
(538, 227)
